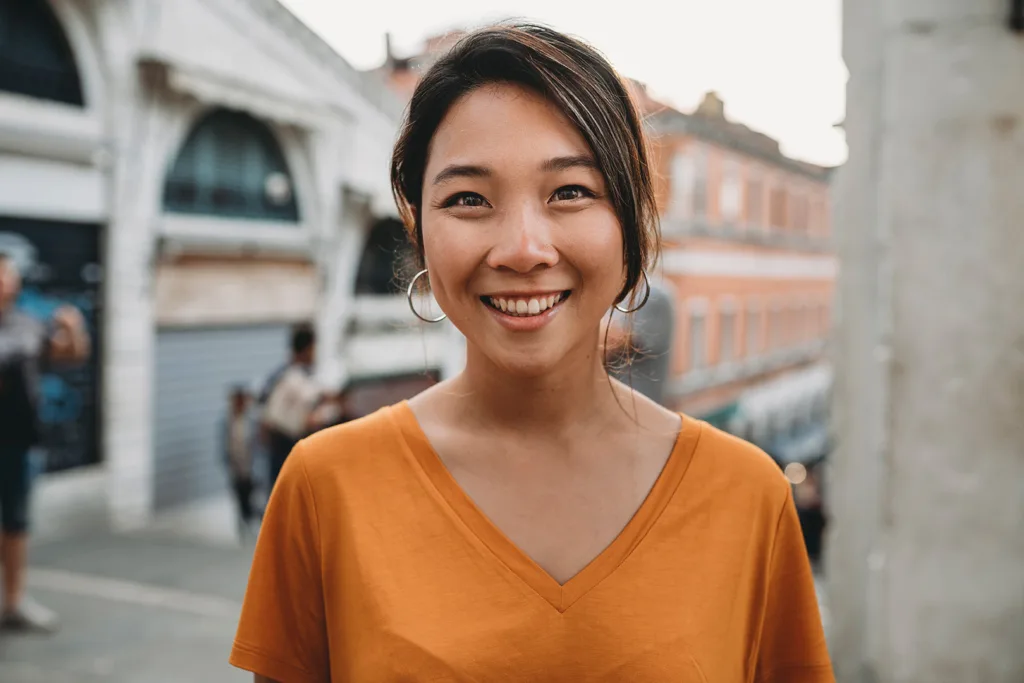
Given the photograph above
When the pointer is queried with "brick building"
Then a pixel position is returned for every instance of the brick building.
(748, 252)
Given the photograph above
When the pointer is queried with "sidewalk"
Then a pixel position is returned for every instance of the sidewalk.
(134, 609)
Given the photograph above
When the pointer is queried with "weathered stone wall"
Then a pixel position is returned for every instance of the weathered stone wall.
(926, 567)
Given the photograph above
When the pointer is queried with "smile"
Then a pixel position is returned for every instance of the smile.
(526, 306)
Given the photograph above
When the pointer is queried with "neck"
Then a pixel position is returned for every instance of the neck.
(572, 395)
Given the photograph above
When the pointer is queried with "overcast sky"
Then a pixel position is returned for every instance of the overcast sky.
(776, 63)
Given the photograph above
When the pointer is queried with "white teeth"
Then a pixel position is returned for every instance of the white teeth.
(525, 307)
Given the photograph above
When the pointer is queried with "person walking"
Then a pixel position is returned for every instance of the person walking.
(530, 519)
(239, 444)
(27, 346)
(290, 400)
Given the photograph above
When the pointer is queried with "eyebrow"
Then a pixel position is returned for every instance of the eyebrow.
(565, 163)
(461, 171)
(551, 165)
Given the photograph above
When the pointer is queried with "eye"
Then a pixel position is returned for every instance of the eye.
(571, 193)
(465, 199)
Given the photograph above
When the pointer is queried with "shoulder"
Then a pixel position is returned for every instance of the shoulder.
(736, 467)
(357, 444)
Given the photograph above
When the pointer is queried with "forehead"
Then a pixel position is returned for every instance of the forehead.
(504, 124)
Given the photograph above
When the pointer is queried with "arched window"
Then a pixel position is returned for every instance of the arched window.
(232, 166)
(386, 247)
(35, 57)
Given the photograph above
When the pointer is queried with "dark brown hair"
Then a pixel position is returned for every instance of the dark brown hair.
(576, 79)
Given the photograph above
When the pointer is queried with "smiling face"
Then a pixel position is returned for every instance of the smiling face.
(523, 247)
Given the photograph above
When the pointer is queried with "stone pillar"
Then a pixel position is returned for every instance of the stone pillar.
(926, 558)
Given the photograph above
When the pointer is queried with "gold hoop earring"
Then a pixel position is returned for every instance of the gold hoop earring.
(408, 296)
(647, 295)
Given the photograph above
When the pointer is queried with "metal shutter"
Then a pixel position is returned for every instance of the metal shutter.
(194, 371)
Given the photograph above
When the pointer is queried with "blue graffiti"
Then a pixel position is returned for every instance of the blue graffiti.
(58, 401)
(38, 305)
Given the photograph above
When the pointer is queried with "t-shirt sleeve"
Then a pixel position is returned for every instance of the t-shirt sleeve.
(792, 646)
(282, 633)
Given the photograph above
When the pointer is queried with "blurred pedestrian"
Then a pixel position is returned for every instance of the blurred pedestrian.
(27, 346)
(292, 397)
(528, 519)
(239, 444)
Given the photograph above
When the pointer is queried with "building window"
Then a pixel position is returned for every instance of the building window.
(776, 325)
(814, 216)
(231, 166)
(700, 182)
(698, 341)
(755, 205)
(808, 331)
(800, 212)
(753, 332)
(35, 57)
(681, 186)
(727, 336)
(777, 208)
(730, 198)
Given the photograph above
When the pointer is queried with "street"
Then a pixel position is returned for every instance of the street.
(134, 609)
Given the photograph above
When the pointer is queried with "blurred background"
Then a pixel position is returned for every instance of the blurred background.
(840, 197)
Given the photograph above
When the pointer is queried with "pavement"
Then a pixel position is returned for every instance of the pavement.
(134, 609)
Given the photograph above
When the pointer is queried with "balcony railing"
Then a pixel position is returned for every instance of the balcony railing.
(748, 368)
(747, 234)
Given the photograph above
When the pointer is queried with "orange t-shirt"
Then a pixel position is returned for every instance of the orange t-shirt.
(373, 565)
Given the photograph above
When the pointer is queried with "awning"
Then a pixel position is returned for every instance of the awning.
(804, 447)
(720, 417)
(782, 400)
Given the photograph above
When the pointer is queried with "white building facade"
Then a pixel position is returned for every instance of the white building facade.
(197, 176)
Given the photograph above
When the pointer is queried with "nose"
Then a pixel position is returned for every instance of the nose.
(523, 241)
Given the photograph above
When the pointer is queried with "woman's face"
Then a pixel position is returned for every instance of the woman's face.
(522, 244)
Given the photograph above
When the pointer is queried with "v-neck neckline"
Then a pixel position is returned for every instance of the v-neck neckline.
(479, 525)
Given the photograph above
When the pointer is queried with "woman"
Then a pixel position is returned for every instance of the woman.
(530, 519)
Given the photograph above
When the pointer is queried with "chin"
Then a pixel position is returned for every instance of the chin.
(527, 363)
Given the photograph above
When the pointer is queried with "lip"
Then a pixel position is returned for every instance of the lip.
(526, 294)
(528, 324)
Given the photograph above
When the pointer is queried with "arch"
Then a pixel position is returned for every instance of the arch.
(231, 165)
(383, 258)
(35, 56)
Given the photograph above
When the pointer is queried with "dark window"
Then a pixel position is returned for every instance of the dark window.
(382, 258)
(778, 208)
(754, 201)
(35, 58)
(231, 165)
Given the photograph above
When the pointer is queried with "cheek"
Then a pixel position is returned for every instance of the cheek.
(450, 257)
(596, 249)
